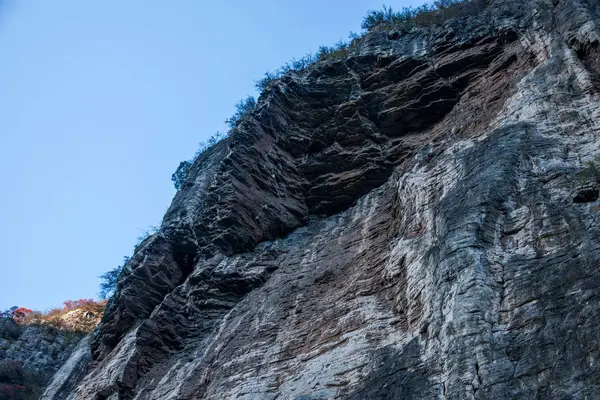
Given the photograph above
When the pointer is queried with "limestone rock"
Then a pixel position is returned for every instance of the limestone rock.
(29, 356)
(348, 241)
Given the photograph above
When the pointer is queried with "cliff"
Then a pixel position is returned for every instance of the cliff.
(398, 223)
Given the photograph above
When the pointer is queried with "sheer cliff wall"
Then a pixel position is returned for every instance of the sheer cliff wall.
(399, 223)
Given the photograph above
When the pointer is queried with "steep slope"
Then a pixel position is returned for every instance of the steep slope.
(396, 224)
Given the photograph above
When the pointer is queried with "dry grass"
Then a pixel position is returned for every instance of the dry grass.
(80, 316)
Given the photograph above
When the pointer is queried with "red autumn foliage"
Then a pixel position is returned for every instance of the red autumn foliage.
(76, 315)
(85, 304)
(21, 313)
(81, 303)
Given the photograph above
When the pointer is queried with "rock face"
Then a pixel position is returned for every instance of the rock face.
(29, 356)
(399, 224)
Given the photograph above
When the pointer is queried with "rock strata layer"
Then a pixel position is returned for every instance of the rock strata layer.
(404, 223)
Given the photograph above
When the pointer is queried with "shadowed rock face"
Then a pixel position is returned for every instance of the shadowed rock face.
(29, 357)
(397, 224)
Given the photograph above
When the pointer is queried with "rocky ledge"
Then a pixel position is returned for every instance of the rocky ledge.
(399, 223)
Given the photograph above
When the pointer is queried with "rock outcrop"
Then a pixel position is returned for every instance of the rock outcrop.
(30, 356)
(398, 224)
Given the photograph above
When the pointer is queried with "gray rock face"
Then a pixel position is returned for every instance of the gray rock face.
(29, 357)
(71, 372)
(397, 224)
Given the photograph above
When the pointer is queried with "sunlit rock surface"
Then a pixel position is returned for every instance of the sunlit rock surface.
(399, 224)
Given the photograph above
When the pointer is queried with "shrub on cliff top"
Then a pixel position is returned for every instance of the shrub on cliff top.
(181, 173)
(76, 316)
(16, 313)
(145, 235)
(423, 16)
(8, 313)
(298, 64)
(85, 304)
(108, 280)
(337, 51)
(242, 108)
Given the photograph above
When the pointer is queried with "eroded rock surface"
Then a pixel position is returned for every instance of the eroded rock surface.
(29, 357)
(397, 224)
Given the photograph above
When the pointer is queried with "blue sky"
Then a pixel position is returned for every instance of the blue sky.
(101, 100)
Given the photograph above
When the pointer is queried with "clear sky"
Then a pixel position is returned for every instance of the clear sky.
(101, 100)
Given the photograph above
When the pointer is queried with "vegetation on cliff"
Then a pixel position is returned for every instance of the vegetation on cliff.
(109, 280)
(334, 231)
(424, 16)
(427, 15)
(78, 316)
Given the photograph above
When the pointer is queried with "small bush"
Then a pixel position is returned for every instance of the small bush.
(86, 304)
(296, 64)
(11, 319)
(9, 328)
(339, 50)
(145, 235)
(387, 16)
(109, 280)
(262, 83)
(408, 17)
(214, 139)
(180, 175)
(242, 108)
(300, 63)
(591, 171)
(79, 316)
(21, 314)
(8, 313)
(423, 16)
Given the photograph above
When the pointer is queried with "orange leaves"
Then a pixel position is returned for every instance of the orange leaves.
(21, 313)
(81, 303)
(76, 315)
